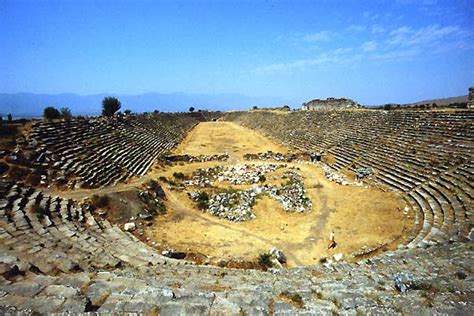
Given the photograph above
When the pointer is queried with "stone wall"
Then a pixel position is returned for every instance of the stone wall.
(470, 101)
(328, 104)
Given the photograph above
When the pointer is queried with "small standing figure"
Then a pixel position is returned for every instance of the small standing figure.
(332, 242)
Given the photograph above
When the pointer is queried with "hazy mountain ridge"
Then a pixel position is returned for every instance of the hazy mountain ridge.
(439, 102)
(31, 104)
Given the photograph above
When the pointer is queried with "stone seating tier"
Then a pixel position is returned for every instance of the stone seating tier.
(425, 156)
(104, 151)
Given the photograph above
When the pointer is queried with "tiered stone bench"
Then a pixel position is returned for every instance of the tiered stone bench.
(426, 156)
(52, 234)
(103, 151)
(56, 257)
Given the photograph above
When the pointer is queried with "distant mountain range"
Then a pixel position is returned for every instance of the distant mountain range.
(439, 102)
(32, 105)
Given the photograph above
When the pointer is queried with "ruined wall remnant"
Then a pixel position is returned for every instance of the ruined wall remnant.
(470, 100)
(329, 104)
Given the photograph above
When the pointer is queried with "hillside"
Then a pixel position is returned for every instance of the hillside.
(440, 102)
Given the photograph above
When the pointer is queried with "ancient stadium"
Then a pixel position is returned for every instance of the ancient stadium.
(260, 212)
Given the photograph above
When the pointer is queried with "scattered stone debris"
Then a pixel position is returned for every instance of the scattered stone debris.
(335, 176)
(404, 281)
(233, 205)
(200, 158)
(153, 196)
(270, 155)
(292, 196)
(278, 255)
(363, 172)
(338, 257)
(238, 174)
(236, 205)
(171, 253)
(129, 226)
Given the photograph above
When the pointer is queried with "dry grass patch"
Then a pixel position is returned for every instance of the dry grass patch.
(292, 298)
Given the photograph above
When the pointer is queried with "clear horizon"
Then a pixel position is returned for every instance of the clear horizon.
(373, 52)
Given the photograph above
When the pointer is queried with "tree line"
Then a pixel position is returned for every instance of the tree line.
(110, 106)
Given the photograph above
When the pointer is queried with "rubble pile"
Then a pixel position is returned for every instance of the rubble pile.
(363, 172)
(248, 173)
(200, 158)
(270, 155)
(333, 175)
(233, 205)
(236, 205)
(292, 196)
(238, 174)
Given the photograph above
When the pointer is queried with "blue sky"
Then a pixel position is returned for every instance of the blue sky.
(371, 51)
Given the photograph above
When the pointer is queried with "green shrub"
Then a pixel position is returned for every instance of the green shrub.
(51, 113)
(66, 113)
(110, 105)
(264, 260)
(203, 200)
(40, 211)
(100, 201)
(178, 175)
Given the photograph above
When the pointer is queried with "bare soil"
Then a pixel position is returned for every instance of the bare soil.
(359, 216)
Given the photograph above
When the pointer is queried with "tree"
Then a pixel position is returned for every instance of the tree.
(127, 112)
(10, 117)
(255, 107)
(66, 113)
(51, 113)
(110, 105)
(191, 109)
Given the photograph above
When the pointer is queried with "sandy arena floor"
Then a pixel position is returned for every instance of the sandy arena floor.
(359, 216)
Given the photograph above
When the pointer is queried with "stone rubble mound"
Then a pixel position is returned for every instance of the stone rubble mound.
(270, 155)
(236, 204)
(363, 172)
(200, 158)
(237, 174)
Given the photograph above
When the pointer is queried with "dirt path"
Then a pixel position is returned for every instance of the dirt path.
(79, 194)
(220, 137)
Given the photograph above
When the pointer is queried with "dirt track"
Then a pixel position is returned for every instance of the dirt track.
(359, 216)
